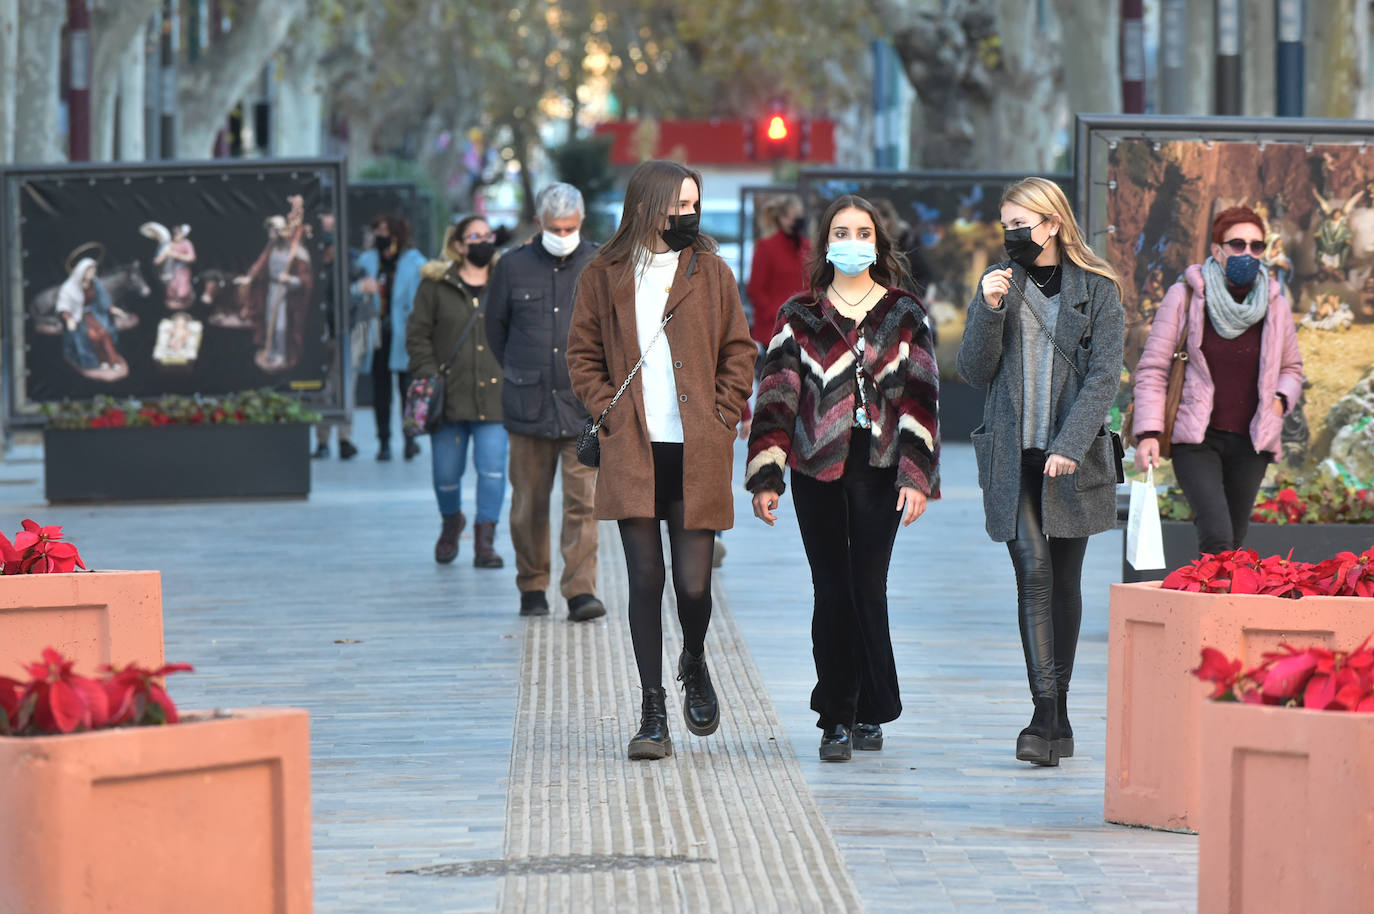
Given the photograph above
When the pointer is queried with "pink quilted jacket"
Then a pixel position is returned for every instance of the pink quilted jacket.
(1280, 367)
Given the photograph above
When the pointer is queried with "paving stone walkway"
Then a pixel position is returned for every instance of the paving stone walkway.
(465, 759)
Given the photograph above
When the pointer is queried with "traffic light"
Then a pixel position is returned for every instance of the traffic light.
(777, 128)
(777, 135)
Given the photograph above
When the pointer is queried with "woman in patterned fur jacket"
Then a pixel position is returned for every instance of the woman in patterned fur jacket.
(847, 399)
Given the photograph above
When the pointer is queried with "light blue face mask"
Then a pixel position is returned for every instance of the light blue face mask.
(851, 257)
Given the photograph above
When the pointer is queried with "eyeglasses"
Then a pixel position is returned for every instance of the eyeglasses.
(1238, 245)
(486, 236)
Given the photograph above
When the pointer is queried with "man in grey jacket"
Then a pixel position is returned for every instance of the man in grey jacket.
(529, 310)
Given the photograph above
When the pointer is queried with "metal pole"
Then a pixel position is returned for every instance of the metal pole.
(79, 84)
(1173, 57)
(1288, 72)
(168, 81)
(1133, 56)
(1228, 57)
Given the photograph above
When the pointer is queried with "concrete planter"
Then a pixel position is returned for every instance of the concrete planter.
(1309, 542)
(1286, 800)
(91, 618)
(1154, 704)
(210, 815)
(176, 461)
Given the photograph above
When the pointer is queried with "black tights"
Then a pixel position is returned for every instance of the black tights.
(1049, 572)
(691, 551)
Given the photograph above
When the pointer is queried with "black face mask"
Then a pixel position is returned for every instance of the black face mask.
(480, 253)
(1020, 247)
(383, 245)
(793, 229)
(681, 231)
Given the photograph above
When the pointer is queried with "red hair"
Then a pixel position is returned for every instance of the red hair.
(1236, 215)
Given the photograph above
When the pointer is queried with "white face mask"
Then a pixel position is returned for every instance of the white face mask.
(561, 245)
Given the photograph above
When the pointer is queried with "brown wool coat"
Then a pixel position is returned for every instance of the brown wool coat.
(713, 355)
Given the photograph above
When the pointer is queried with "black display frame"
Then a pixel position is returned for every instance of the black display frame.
(332, 400)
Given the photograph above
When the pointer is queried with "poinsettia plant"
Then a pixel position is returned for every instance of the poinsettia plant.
(256, 407)
(1242, 571)
(1316, 678)
(1320, 499)
(57, 700)
(37, 549)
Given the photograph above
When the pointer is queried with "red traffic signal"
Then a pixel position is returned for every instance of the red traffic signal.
(777, 128)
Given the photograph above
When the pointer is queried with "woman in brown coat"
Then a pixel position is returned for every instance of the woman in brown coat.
(449, 312)
(657, 289)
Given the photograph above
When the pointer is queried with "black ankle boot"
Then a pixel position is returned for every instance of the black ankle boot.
(1038, 743)
(837, 744)
(1064, 742)
(868, 737)
(699, 704)
(652, 740)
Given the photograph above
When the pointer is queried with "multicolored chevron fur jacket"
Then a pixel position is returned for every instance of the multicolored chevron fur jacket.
(807, 395)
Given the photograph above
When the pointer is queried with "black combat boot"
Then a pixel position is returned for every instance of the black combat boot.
(652, 740)
(699, 704)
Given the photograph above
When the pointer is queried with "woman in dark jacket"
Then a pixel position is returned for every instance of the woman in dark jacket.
(449, 306)
(658, 289)
(1045, 460)
(848, 400)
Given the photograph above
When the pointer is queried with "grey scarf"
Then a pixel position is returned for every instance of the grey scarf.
(1231, 318)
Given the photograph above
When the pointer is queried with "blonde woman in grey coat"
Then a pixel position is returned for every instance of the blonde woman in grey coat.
(1045, 335)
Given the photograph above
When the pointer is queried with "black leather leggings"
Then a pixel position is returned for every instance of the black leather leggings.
(1049, 598)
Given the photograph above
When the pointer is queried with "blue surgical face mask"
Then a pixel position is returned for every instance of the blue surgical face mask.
(851, 257)
(1241, 269)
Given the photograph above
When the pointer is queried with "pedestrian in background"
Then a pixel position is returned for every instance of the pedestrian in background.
(658, 290)
(529, 312)
(848, 399)
(393, 276)
(1045, 335)
(341, 367)
(446, 328)
(779, 268)
(1242, 376)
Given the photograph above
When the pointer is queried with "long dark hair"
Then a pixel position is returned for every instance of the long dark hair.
(887, 270)
(397, 227)
(653, 189)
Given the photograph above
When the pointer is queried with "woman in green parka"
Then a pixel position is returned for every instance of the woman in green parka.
(450, 311)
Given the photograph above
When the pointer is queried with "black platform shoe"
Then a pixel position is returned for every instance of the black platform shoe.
(652, 740)
(699, 704)
(836, 744)
(1063, 743)
(868, 737)
(1038, 743)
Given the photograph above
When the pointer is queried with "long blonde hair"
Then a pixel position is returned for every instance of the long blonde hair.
(1040, 195)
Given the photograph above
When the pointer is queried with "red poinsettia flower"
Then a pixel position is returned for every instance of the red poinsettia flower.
(10, 691)
(137, 697)
(43, 552)
(1219, 670)
(63, 701)
(11, 558)
(1288, 673)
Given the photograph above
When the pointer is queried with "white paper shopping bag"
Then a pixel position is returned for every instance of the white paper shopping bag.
(1144, 538)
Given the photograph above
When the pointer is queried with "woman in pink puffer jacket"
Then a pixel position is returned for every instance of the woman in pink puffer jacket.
(1243, 374)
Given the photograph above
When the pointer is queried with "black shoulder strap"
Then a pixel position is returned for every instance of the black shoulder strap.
(462, 335)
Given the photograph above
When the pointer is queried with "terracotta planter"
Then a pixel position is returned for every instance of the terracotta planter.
(96, 618)
(200, 816)
(1286, 810)
(1154, 637)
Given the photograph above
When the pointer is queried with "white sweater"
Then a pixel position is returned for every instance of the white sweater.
(657, 376)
